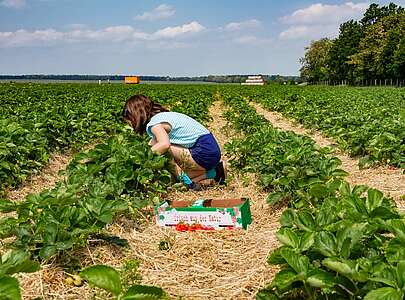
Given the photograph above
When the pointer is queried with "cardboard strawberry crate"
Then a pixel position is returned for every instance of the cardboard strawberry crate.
(210, 213)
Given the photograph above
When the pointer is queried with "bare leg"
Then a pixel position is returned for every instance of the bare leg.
(185, 162)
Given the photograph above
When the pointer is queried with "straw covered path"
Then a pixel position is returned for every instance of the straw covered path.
(212, 265)
(389, 180)
(197, 265)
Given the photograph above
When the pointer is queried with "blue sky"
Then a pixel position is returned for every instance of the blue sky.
(174, 37)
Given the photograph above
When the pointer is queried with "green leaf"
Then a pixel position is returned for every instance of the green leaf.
(345, 189)
(274, 198)
(7, 206)
(395, 251)
(298, 262)
(284, 279)
(325, 243)
(104, 277)
(319, 191)
(9, 288)
(17, 261)
(306, 241)
(352, 232)
(305, 221)
(339, 173)
(320, 279)
(384, 213)
(401, 275)
(360, 189)
(275, 257)
(144, 292)
(288, 237)
(374, 199)
(385, 293)
(346, 268)
(287, 218)
(341, 267)
(326, 213)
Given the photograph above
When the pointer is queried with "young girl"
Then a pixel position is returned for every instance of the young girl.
(194, 149)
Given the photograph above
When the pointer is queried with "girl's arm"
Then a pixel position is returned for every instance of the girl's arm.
(161, 137)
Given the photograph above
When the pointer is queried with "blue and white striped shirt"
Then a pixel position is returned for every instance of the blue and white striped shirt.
(185, 130)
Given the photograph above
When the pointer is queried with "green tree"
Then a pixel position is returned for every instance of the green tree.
(314, 63)
(375, 13)
(347, 44)
(381, 51)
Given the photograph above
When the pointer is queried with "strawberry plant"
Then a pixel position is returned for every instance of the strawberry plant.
(366, 122)
(99, 184)
(288, 164)
(337, 242)
(108, 278)
(37, 119)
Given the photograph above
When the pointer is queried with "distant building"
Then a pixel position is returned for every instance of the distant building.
(132, 79)
(254, 80)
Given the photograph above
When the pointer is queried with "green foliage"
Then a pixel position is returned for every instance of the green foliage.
(118, 174)
(337, 241)
(364, 122)
(315, 67)
(36, 119)
(108, 278)
(289, 165)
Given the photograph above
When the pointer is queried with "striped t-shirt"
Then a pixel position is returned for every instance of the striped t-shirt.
(185, 130)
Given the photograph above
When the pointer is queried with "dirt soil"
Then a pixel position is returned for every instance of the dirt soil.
(46, 179)
(389, 180)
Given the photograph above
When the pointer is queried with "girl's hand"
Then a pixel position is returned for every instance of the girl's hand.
(152, 142)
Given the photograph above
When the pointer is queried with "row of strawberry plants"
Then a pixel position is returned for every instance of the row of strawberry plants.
(366, 122)
(36, 119)
(118, 176)
(337, 241)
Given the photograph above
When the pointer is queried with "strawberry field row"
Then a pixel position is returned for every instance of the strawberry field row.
(119, 176)
(337, 241)
(367, 122)
(36, 119)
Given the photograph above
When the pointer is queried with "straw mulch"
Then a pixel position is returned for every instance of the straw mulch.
(213, 265)
(389, 180)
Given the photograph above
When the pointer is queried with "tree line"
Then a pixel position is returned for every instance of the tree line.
(368, 51)
(209, 78)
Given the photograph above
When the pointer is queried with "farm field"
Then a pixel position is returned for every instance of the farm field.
(314, 235)
(365, 122)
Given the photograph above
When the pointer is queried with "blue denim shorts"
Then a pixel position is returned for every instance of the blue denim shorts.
(206, 151)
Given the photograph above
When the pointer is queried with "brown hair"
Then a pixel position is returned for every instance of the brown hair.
(138, 110)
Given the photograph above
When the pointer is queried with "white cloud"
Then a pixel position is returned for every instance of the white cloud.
(113, 34)
(172, 32)
(320, 20)
(163, 11)
(13, 3)
(326, 14)
(234, 26)
(23, 37)
(309, 31)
